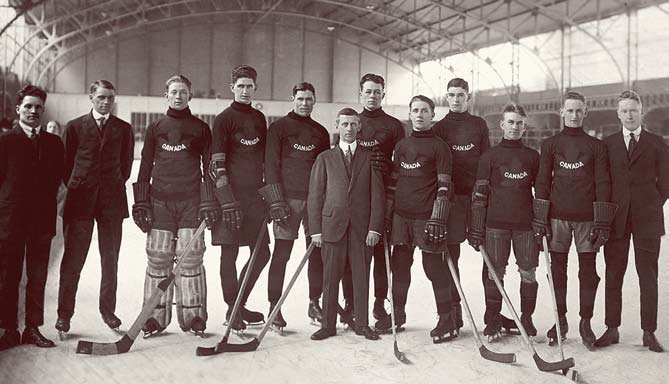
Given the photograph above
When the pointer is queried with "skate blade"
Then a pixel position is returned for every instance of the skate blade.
(314, 321)
(590, 345)
(389, 331)
(62, 336)
(495, 338)
(256, 323)
(444, 339)
(278, 330)
(554, 341)
(512, 332)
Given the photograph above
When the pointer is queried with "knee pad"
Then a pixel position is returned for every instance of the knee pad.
(528, 275)
(160, 249)
(191, 283)
(499, 271)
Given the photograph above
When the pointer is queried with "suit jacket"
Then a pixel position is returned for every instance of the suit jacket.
(97, 168)
(640, 185)
(336, 200)
(29, 180)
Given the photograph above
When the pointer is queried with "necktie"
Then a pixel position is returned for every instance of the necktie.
(632, 145)
(33, 138)
(101, 122)
(348, 156)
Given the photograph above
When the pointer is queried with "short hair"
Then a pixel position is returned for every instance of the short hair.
(303, 86)
(514, 108)
(573, 95)
(374, 79)
(629, 94)
(178, 79)
(30, 90)
(459, 83)
(101, 84)
(346, 112)
(244, 71)
(422, 98)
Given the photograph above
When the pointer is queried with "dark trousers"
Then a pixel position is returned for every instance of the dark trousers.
(646, 253)
(228, 272)
(380, 276)
(78, 235)
(436, 269)
(277, 270)
(352, 248)
(12, 254)
(587, 278)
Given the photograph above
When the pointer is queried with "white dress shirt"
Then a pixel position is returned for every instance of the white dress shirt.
(626, 136)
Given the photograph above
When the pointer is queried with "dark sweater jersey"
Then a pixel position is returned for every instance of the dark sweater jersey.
(293, 143)
(511, 168)
(380, 129)
(174, 147)
(573, 173)
(419, 158)
(468, 138)
(240, 132)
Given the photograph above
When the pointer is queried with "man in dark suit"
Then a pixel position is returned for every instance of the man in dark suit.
(99, 150)
(31, 170)
(346, 209)
(639, 163)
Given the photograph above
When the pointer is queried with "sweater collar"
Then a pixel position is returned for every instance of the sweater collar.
(573, 131)
(458, 116)
(511, 143)
(297, 117)
(178, 114)
(419, 134)
(241, 106)
(375, 113)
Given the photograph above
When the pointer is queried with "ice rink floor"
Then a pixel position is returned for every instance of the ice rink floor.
(346, 358)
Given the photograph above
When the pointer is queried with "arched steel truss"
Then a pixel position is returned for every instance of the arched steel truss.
(405, 32)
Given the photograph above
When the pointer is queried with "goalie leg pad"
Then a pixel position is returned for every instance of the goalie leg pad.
(160, 247)
(191, 283)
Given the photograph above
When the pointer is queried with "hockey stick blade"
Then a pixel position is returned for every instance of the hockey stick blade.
(226, 347)
(400, 355)
(546, 366)
(125, 343)
(506, 358)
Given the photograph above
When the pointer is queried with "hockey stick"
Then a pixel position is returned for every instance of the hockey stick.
(543, 365)
(124, 344)
(249, 268)
(399, 355)
(485, 352)
(252, 345)
(549, 276)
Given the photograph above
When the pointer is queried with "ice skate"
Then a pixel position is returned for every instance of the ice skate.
(151, 327)
(197, 326)
(63, 327)
(346, 316)
(528, 324)
(446, 329)
(587, 336)
(315, 313)
(112, 322)
(279, 323)
(384, 325)
(238, 326)
(509, 326)
(493, 329)
(252, 317)
(552, 333)
(379, 310)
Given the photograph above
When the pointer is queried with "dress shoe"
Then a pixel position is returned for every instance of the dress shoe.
(31, 335)
(9, 339)
(63, 325)
(323, 334)
(611, 336)
(366, 331)
(111, 320)
(651, 342)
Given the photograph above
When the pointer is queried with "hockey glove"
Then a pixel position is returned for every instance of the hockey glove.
(142, 213)
(208, 210)
(278, 209)
(601, 227)
(435, 228)
(380, 161)
(231, 211)
(476, 233)
(540, 223)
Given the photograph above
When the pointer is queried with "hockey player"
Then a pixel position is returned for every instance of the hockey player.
(379, 133)
(573, 189)
(293, 143)
(170, 201)
(238, 150)
(501, 217)
(467, 137)
(423, 189)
